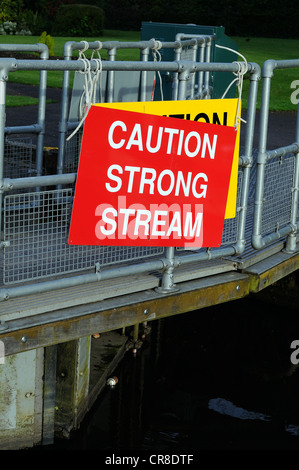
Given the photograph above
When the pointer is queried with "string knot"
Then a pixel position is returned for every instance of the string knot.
(155, 52)
(88, 95)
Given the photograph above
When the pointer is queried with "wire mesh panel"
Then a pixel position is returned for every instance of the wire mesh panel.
(278, 186)
(71, 153)
(230, 227)
(36, 229)
(18, 158)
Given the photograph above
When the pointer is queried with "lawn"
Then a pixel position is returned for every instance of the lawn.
(55, 78)
(260, 49)
(254, 49)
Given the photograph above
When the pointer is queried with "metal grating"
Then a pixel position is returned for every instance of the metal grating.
(18, 158)
(278, 186)
(72, 152)
(230, 227)
(36, 234)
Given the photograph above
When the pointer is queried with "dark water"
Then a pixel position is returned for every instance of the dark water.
(216, 379)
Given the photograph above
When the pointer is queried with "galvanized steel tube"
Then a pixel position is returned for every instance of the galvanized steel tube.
(38, 128)
(251, 111)
(3, 79)
(258, 241)
(113, 273)
(170, 261)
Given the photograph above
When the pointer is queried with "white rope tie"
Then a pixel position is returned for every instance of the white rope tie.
(88, 95)
(155, 51)
(97, 72)
(242, 70)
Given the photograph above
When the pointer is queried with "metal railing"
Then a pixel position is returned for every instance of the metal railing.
(199, 50)
(146, 48)
(276, 198)
(35, 217)
(37, 128)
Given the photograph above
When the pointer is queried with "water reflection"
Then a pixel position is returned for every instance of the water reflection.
(226, 407)
(219, 378)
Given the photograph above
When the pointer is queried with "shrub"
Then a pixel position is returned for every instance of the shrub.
(79, 20)
(48, 40)
(8, 27)
(10, 10)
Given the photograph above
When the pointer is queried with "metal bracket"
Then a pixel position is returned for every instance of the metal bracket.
(97, 267)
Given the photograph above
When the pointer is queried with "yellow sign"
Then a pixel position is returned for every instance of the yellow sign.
(221, 111)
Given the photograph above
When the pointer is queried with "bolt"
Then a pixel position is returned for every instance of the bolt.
(112, 381)
(146, 311)
(24, 339)
(238, 288)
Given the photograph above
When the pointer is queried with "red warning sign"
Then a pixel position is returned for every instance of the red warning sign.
(151, 180)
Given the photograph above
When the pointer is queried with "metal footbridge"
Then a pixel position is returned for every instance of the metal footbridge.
(53, 296)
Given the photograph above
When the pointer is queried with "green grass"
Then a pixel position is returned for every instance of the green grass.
(12, 100)
(20, 100)
(254, 49)
(55, 78)
(259, 50)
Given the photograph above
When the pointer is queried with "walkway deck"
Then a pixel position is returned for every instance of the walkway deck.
(46, 319)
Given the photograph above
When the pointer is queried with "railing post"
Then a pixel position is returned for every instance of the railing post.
(292, 238)
(167, 283)
(3, 79)
(175, 85)
(184, 76)
(64, 110)
(110, 77)
(248, 160)
(41, 115)
(143, 75)
(267, 73)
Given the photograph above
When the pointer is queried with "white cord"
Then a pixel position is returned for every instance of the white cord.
(242, 70)
(158, 45)
(88, 95)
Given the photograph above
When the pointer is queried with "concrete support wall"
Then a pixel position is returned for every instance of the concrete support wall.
(41, 390)
(46, 392)
(72, 384)
(21, 400)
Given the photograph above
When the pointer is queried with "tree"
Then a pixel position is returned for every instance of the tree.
(10, 10)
